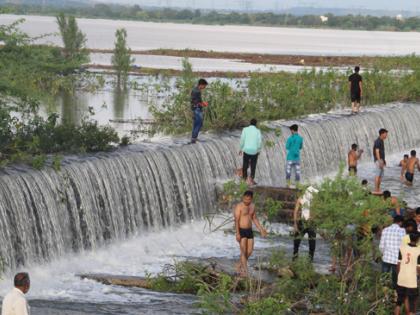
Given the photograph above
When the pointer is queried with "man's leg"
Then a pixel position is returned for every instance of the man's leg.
(245, 166)
(297, 171)
(244, 259)
(254, 159)
(297, 239)
(353, 107)
(358, 106)
(250, 248)
(288, 171)
(197, 123)
(312, 242)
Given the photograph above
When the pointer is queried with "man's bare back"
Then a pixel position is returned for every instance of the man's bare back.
(412, 163)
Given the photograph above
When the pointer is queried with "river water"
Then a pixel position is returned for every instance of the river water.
(131, 212)
(250, 39)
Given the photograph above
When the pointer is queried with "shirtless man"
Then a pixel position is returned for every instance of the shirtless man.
(353, 156)
(403, 165)
(412, 163)
(244, 216)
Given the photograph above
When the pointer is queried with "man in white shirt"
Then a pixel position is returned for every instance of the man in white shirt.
(14, 302)
(389, 246)
(408, 268)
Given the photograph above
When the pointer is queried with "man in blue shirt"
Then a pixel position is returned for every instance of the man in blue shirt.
(197, 105)
(293, 146)
(251, 143)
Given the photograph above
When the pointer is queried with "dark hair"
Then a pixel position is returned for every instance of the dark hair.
(21, 279)
(294, 127)
(253, 122)
(364, 182)
(413, 152)
(386, 194)
(398, 219)
(249, 193)
(354, 146)
(410, 223)
(202, 82)
(414, 237)
(356, 69)
(406, 156)
(418, 210)
(382, 131)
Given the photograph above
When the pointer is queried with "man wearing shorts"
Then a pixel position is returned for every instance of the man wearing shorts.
(379, 159)
(353, 157)
(408, 268)
(244, 217)
(355, 81)
(412, 163)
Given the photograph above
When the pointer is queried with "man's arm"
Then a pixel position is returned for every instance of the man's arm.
(382, 242)
(378, 157)
(242, 142)
(301, 143)
(259, 142)
(237, 218)
(257, 222)
(288, 144)
(361, 87)
(418, 165)
(295, 214)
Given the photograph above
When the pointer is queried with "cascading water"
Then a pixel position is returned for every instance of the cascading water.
(93, 200)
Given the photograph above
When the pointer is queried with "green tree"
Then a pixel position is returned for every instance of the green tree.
(74, 39)
(122, 60)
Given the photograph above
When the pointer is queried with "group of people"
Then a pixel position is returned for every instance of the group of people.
(400, 249)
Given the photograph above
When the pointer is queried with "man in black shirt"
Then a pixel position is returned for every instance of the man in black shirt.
(355, 81)
(379, 159)
(197, 105)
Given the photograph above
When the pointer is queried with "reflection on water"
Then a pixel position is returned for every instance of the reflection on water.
(120, 101)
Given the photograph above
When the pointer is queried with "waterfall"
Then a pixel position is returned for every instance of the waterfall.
(96, 199)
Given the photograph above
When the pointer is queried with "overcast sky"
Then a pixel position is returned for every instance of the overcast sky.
(406, 5)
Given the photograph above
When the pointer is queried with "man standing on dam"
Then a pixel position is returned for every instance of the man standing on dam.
(379, 159)
(197, 105)
(356, 90)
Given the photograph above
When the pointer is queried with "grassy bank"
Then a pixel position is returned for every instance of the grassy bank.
(282, 95)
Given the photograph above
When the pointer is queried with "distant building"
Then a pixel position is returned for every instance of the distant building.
(399, 17)
(323, 18)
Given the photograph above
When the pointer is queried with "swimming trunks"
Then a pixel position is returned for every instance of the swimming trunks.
(353, 169)
(409, 177)
(246, 233)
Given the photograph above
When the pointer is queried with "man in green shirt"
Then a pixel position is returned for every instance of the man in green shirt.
(293, 146)
(250, 147)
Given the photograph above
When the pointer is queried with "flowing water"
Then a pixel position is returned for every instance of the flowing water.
(135, 209)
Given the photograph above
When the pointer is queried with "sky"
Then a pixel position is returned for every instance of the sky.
(275, 5)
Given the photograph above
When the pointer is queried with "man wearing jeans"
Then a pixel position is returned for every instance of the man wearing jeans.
(389, 246)
(197, 105)
(251, 143)
(293, 146)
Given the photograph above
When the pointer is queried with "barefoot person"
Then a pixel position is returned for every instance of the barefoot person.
(356, 90)
(379, 159)
(197, 105)
(403, 165)
(408, 268)
(244, 217)
(412, 163)
(250, 149)
(353, 157)
(14, 302)
(302, 222)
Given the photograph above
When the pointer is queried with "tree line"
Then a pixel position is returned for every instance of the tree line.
(135, 12)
